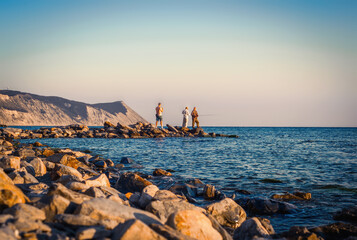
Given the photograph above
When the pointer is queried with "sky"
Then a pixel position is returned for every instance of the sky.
(241, 63)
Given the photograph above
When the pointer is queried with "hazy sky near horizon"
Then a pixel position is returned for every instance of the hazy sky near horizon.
(241, 63)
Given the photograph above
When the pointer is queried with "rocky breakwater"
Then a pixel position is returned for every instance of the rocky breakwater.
(64, 194)
(138, 130)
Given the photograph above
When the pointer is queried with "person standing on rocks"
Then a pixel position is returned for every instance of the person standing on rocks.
(194, 115)
(158, 115)
(185, 113)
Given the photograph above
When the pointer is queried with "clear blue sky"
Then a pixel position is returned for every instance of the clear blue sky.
(242, 63)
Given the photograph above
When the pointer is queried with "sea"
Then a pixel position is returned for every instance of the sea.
(263, 161)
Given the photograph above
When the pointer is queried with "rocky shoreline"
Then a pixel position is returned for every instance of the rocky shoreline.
(138, 130)
(48, 193)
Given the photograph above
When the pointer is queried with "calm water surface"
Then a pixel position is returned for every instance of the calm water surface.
(322, 161)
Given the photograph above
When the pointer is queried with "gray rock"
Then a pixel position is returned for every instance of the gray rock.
(21, 176)
(96, 232)
(266, 206)
(147, 194)
(94, 192)
(10, 162)
(131, 182)
(53, 205)
(169, 233)
(163, 209)
(8, 233)
(39, 167)
(135, 229)
(227, 212)
(105, 209)
(61, 170)
(25, 211)
(59, 189)
(126, 160)
(253, 228)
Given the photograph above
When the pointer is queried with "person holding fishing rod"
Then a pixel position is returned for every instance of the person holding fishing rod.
(194, 115)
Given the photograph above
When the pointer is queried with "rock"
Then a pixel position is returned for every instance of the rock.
(59, 189)
(108, 124)
(161, 172)
(53, 205)
(209, 192)
(337, 230)
(295, 196)
(216, 225)
(131, 182)
(21, 176)
(29, 225)
(227, 212)
(184, 189)
(9, 193)
(147, 194)
(10, 162)
(101, 164)
(109, 210)
(135, 229)
(25, 152)
(48, 152)
(75, 220)
(193, 224)
(8, 233)
(163, 209)
(347, 214)
(77, 186)
(266, 206)
(25, 211)
(253, 228)
(300, 233)
(162, 195)
(303, 195)
(61, 170)
(94, 192)
(126, 160)
(28, 167)
(169, 232)
(96, 232)
(98, 181)
(38, 144)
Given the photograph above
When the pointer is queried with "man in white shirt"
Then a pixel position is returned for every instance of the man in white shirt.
(186, 114)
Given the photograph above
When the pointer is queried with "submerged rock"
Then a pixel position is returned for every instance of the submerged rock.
(266, 206)
(347, 214)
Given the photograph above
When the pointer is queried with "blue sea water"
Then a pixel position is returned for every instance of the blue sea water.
(322, 161)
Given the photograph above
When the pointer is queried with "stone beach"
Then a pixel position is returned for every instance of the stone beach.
(49, 193)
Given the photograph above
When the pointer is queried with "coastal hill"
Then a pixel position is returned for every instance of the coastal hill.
(19, 108)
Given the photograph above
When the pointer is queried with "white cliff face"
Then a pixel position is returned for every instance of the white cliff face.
(17, 108)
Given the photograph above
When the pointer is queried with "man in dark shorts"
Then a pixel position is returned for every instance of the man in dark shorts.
(194, 115)
(158, 115)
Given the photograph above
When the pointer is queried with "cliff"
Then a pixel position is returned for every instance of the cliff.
(19, 108)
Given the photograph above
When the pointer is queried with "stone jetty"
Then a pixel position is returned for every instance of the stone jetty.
(48, 193)
(138, 130)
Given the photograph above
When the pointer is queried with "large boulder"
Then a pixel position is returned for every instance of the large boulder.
(10, 162)
(59, 189)
(21, 176)
(109, 210)
(9, 193)
(61, 170)
(53, 205)
(39, 167)
(254, 228)
(194, 224)
(25, 211)
(135, 229)
(227, 212)
(98, 181)
(337, 230)
(147, 194)
(131, 182)
(163, 209)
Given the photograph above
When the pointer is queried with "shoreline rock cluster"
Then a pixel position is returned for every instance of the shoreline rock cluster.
(138, 130)
(50, 193)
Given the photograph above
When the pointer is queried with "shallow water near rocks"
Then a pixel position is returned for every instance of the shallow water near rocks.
(263, 161)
